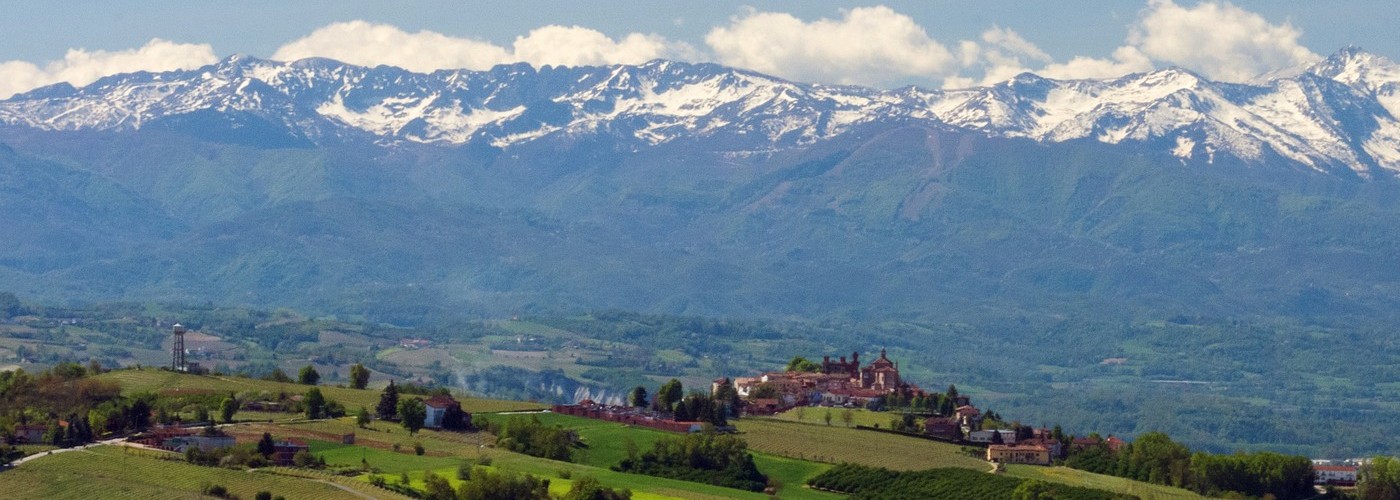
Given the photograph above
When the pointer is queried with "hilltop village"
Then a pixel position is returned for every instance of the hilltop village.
(843, 383)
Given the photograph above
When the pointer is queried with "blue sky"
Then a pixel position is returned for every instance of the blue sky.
(928, 43)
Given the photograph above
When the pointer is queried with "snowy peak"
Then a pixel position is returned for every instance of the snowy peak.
(1339, 113)
(1356, 67)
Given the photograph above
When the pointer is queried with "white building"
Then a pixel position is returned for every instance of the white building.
(1007, 436)
(1335, 474)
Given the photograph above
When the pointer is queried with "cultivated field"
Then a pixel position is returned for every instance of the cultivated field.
(835, 444)
(859, 416)
(157, 380)
(1075, 477)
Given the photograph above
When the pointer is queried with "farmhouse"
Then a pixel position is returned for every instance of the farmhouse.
(436, 408)
(1018, 454)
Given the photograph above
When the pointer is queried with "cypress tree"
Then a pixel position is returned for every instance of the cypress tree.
(388, 407)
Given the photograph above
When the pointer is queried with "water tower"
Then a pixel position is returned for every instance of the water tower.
(177, 351)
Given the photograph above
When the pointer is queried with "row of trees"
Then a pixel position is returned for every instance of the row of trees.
(1154, 458)
(715, 409)
(532, 437)
(359, 376)
(1379, 479)
(705, 457)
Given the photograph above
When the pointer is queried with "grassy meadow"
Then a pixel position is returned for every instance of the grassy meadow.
(113, 472)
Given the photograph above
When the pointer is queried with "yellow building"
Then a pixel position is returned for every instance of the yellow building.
(1022, 454)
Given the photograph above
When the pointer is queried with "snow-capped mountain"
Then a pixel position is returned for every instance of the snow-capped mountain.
(1338, 114)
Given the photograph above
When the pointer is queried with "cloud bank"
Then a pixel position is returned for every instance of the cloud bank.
(370, 44)
(870, 46)
(81, 67)
(874, 46)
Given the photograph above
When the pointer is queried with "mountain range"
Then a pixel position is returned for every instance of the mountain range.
(697, 188)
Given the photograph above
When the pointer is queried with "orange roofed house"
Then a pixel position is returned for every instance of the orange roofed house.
(1018, 454)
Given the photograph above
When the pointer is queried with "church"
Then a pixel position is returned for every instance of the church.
(880, 375)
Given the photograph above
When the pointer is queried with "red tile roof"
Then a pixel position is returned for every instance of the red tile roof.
(440, 401)
(1335, 468)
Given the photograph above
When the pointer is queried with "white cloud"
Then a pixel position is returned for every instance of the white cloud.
(579, 46)
(370, 44)
(1126, 59)
(868, 45)
(1002, 55)
(81, 67)
(1218, 39)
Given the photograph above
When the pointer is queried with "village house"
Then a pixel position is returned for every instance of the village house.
(1335, 475)
(30, 433)
(1018, 454)
(1008, 436)
(1112, 443)
(948, 428)
(969, 417)
(1056, 448)
(436, 408)
(285, 451)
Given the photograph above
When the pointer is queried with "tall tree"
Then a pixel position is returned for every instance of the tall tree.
(412, 413)
(359, 376)
(638, 397)
(266, 447)
(669, 394)
(1379, 479)
(227, 408)
(801, 364)
(729, 396)
(315, 403)
(388, 407)
(454, 419)
(308, 375)
(10, 305)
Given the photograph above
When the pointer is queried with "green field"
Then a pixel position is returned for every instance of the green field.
(1075, 477)
(112, 472)
(605, 444)
(834, 444)
(149, 379)
(859, 416)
